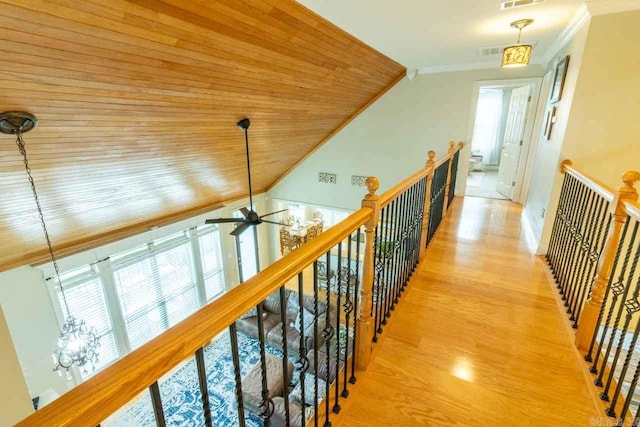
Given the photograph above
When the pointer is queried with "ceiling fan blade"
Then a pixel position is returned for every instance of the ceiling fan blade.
(223, 220)
(244, 211)
(276, 223)
(240, 229)
(276, 212)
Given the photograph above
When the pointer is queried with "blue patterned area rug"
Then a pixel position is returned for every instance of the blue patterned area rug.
(180, 392)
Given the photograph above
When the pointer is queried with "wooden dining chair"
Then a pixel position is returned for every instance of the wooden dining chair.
(312, 232)
(288, 242)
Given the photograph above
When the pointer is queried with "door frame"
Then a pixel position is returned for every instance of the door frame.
(533, 122)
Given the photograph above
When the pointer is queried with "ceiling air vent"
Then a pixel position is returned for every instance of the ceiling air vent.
(518, 3)
(490, 51)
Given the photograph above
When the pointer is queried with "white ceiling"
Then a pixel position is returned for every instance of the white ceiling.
(445, 33)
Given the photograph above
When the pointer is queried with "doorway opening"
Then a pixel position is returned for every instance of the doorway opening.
(502, 129)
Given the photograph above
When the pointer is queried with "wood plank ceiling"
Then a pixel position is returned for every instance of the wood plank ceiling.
(137, 103)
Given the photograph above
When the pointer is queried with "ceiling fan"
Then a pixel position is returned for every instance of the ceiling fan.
(251, 218)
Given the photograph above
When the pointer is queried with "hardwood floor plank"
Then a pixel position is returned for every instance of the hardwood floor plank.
(477, 338)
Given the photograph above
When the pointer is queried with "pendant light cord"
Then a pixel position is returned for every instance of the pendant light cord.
(23, 151)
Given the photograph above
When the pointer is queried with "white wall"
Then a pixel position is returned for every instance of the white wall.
(30, 314)
(597, 118)
(15, 402)
(547, 155)
(391, 138)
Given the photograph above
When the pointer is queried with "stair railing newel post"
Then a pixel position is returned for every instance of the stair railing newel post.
(445, 204)
(591, 314)
(364, 340)
(430, 166)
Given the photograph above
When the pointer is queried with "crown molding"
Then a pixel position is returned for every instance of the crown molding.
(604, 7)
(469, 66)
(580, 18)
(435, 69)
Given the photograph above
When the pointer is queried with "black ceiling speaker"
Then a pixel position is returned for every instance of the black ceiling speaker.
(251, 218)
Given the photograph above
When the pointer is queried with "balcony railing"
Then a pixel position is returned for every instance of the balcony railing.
(289, 327)
(594, 254)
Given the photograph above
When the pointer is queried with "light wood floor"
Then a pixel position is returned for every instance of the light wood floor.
(478, 339)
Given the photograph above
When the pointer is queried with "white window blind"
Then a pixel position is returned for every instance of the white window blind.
(86, 299)
(212, 267)
(156, 291)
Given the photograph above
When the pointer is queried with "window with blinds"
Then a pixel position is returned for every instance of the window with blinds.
(133, 296)
(156, 290)
(212, 267)
(86, 299)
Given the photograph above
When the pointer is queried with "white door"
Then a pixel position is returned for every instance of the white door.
(513, 139)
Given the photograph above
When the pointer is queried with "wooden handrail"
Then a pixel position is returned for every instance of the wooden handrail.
(633, 209)
(392, 193)
(100, 396)
(598, 186)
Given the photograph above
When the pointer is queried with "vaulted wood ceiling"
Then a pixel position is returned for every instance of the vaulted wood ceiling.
(137, 103)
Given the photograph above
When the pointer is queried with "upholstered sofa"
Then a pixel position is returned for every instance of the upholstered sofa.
(272, 321)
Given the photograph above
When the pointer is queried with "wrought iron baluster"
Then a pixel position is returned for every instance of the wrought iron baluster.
(392, 263)
(574, 231)
(285, 357)
(382, 285)
(579, 252)
(315, 343)
(336, 405)
(302, 365)
(348, 308)
(557, 223)
(204, 388)
(420, 217)
(631, 306)
(327, 334)
(402, 237)
(156, 402)
(567, 236)
(563, 232)
(356, 297)
(267, 406)
(235, 356)
(616, 292)
(620, 289)
(377, 263)
(586, 267)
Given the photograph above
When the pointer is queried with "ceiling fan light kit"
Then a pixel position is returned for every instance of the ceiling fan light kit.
(251, 217)
(517, 55)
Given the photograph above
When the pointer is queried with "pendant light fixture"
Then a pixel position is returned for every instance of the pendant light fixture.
(517, 55)
(78, 343)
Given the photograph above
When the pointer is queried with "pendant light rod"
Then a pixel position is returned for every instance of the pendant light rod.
(520, 24)
(244, 125)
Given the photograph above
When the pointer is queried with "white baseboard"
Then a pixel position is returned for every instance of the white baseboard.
(532, 242)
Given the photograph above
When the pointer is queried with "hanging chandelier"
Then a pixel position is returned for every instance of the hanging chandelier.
(517, 55)
(78, 343)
